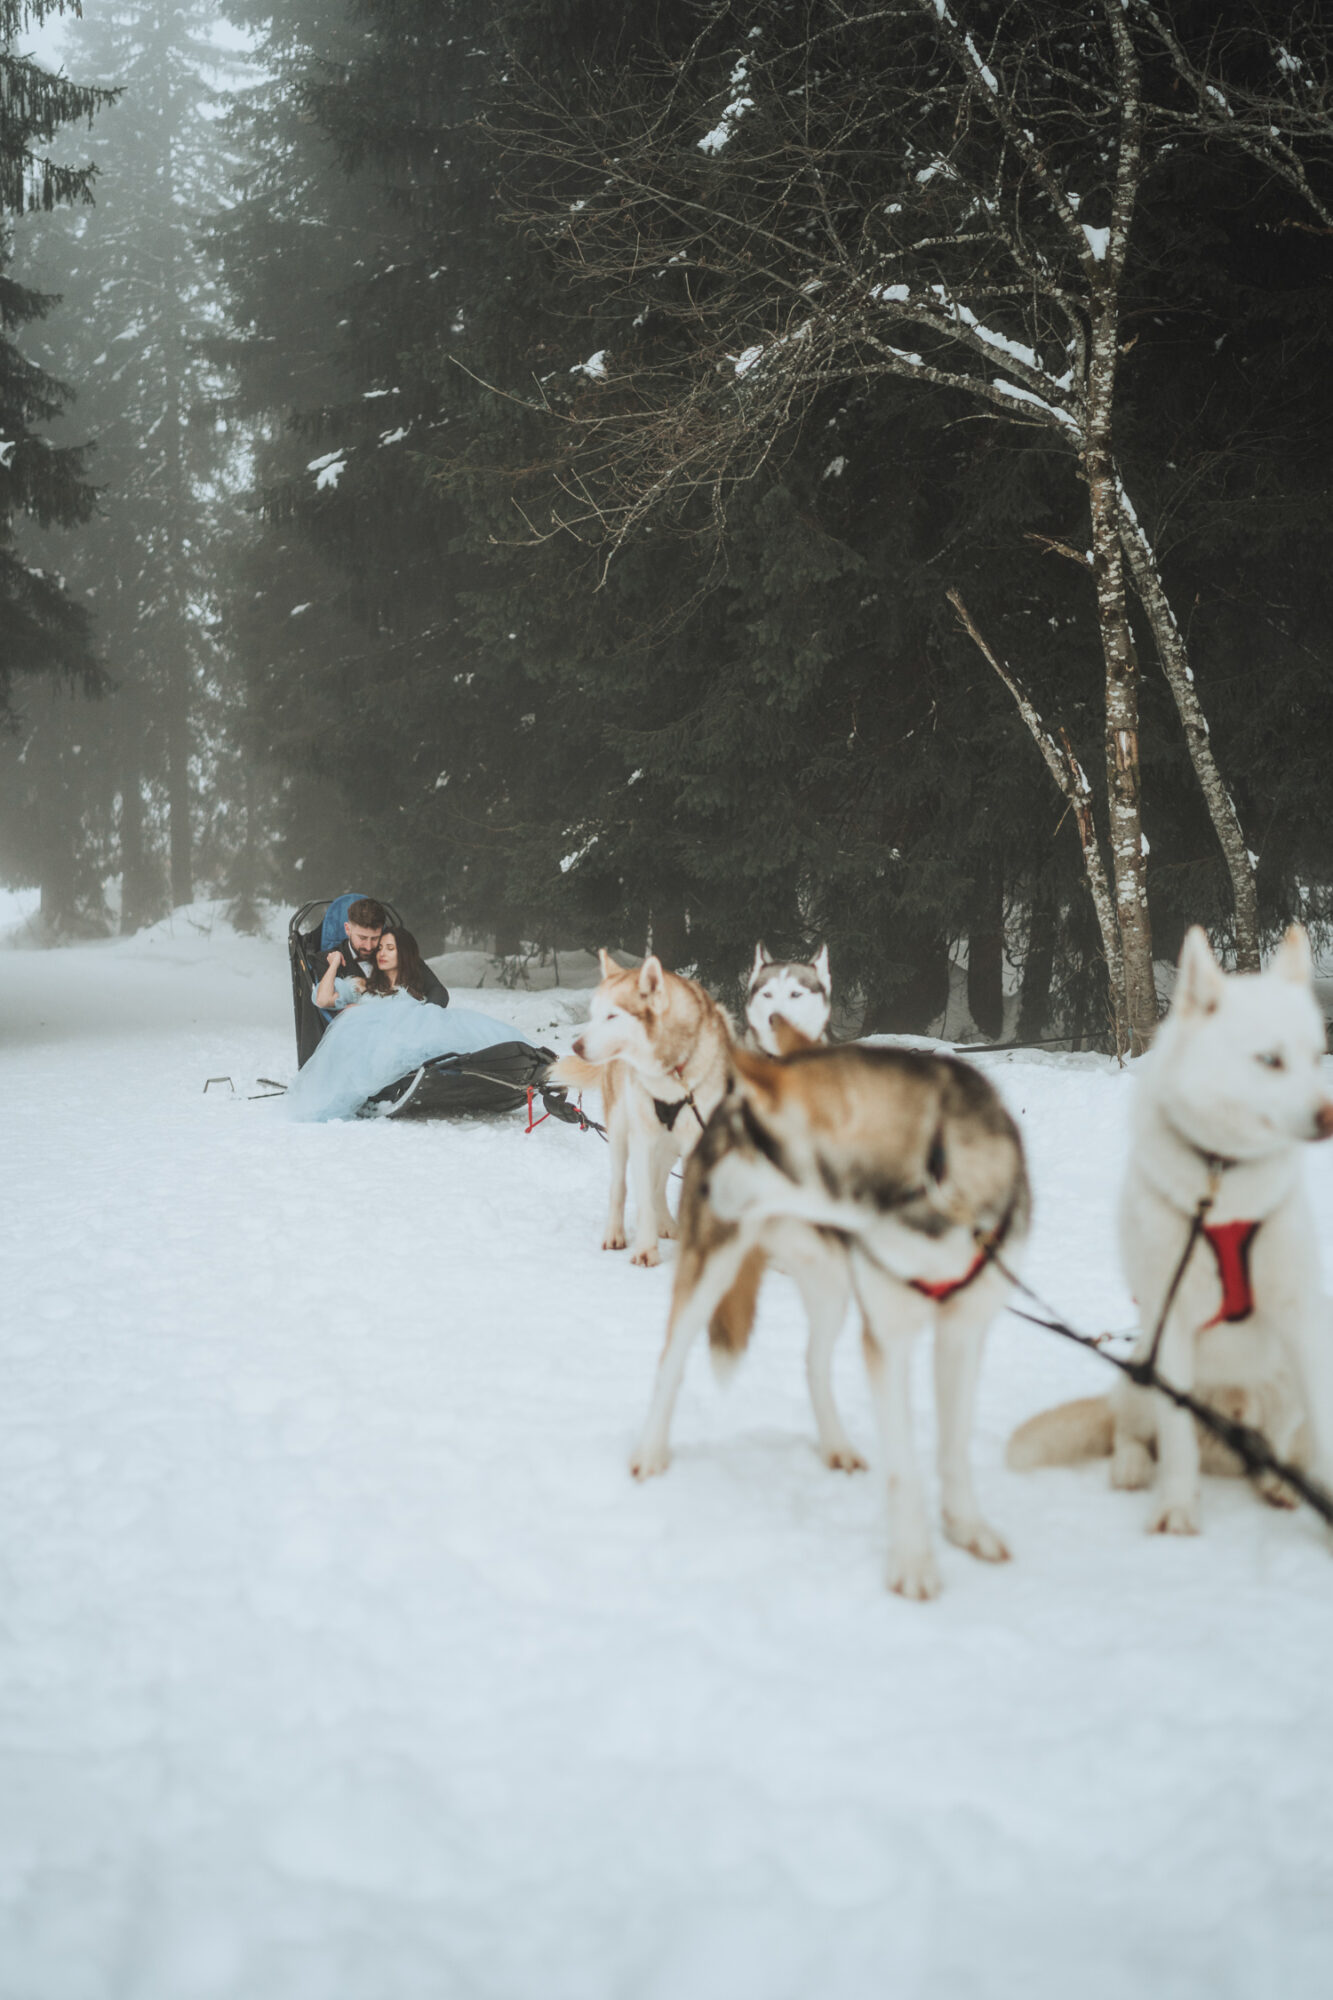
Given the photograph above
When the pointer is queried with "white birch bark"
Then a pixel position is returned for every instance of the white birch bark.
(1064, 767)
(1174, 659)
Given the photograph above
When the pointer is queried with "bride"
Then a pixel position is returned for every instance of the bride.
(398, 964)
(383, 1027)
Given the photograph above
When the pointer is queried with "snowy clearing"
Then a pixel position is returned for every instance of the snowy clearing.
(340, 1659)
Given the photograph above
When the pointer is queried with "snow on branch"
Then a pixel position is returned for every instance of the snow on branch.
(714, 141)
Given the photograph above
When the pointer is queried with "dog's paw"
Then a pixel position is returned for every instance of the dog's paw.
(1178, 1517)
(648, 1258)
(1131, 1465)
(916, 1578)
(649, 1460)
(843, 1458)
(1276, 1491)
(667, 1228)
(614, 1239)
(978, 1538)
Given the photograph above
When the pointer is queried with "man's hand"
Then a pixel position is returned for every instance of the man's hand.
(360, 985)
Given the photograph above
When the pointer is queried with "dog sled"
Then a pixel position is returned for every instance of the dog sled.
(506, 1077)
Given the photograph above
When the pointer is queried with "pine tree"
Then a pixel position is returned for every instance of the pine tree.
(45, 634)
(139, 305)
(40, 628)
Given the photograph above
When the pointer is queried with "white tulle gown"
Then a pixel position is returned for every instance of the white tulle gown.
(379, 1039)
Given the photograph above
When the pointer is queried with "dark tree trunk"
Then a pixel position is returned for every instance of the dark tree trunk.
(985, 954)
(1034, 1001)
(177, 733)
(55, 813)
(671, 937)
(140, 891)
(57, 885)
(912, 993)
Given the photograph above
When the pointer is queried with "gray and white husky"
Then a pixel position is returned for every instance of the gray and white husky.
(796, 990)
(1225, 1103)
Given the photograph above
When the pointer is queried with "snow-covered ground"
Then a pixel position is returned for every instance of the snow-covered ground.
(340, 1658)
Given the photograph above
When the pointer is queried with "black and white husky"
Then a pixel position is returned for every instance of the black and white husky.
(797, 990)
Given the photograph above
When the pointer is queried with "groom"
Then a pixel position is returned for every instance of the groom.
(363, 921)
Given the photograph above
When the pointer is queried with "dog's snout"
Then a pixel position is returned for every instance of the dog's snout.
(1323, 1120)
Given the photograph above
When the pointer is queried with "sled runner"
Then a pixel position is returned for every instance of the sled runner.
(504, 1077)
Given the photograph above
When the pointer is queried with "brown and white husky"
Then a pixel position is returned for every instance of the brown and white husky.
(907, 1172)
(658, 1048)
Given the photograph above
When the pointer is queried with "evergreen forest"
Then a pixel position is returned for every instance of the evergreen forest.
(668, 475)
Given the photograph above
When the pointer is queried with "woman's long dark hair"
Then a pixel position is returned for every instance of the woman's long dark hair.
(411, 968)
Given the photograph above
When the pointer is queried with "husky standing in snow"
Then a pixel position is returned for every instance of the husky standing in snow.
(906, 1172)
(793, 990)
(658, 1048)
(1226, 1101)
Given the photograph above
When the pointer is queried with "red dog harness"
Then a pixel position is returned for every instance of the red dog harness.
(1230, 1244)
(945, 1288)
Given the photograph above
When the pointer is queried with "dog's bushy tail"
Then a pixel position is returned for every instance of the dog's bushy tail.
(577, 1074)
(1066, 1435)
(733, 1319)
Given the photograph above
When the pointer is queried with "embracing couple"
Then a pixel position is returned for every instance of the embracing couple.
(363, 1049)
(378, 959)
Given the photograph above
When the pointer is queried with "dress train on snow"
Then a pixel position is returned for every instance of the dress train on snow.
(378, 1040)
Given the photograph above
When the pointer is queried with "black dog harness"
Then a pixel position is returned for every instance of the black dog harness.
(669, 1110)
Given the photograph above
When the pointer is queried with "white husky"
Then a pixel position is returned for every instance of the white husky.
(1225, 1102)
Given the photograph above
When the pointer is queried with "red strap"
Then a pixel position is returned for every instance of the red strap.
(533, 1123)
(1231, 1247)
(946, 1287)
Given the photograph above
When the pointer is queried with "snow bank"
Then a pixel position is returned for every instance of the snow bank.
(18, 911)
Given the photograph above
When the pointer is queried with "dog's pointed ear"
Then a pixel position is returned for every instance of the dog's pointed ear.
(1200, 983)
(759, 1077)
(1293, 959)
(789, 1038)
(607, 963)
(651, 978)
(760, 961)
(821, 968)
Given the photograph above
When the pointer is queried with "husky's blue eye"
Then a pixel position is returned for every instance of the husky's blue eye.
(1271, 1061)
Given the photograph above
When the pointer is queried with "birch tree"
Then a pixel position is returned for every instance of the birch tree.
(945, 192)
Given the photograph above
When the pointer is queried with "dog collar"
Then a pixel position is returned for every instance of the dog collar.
(1215, 1164)
(947, 1288)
